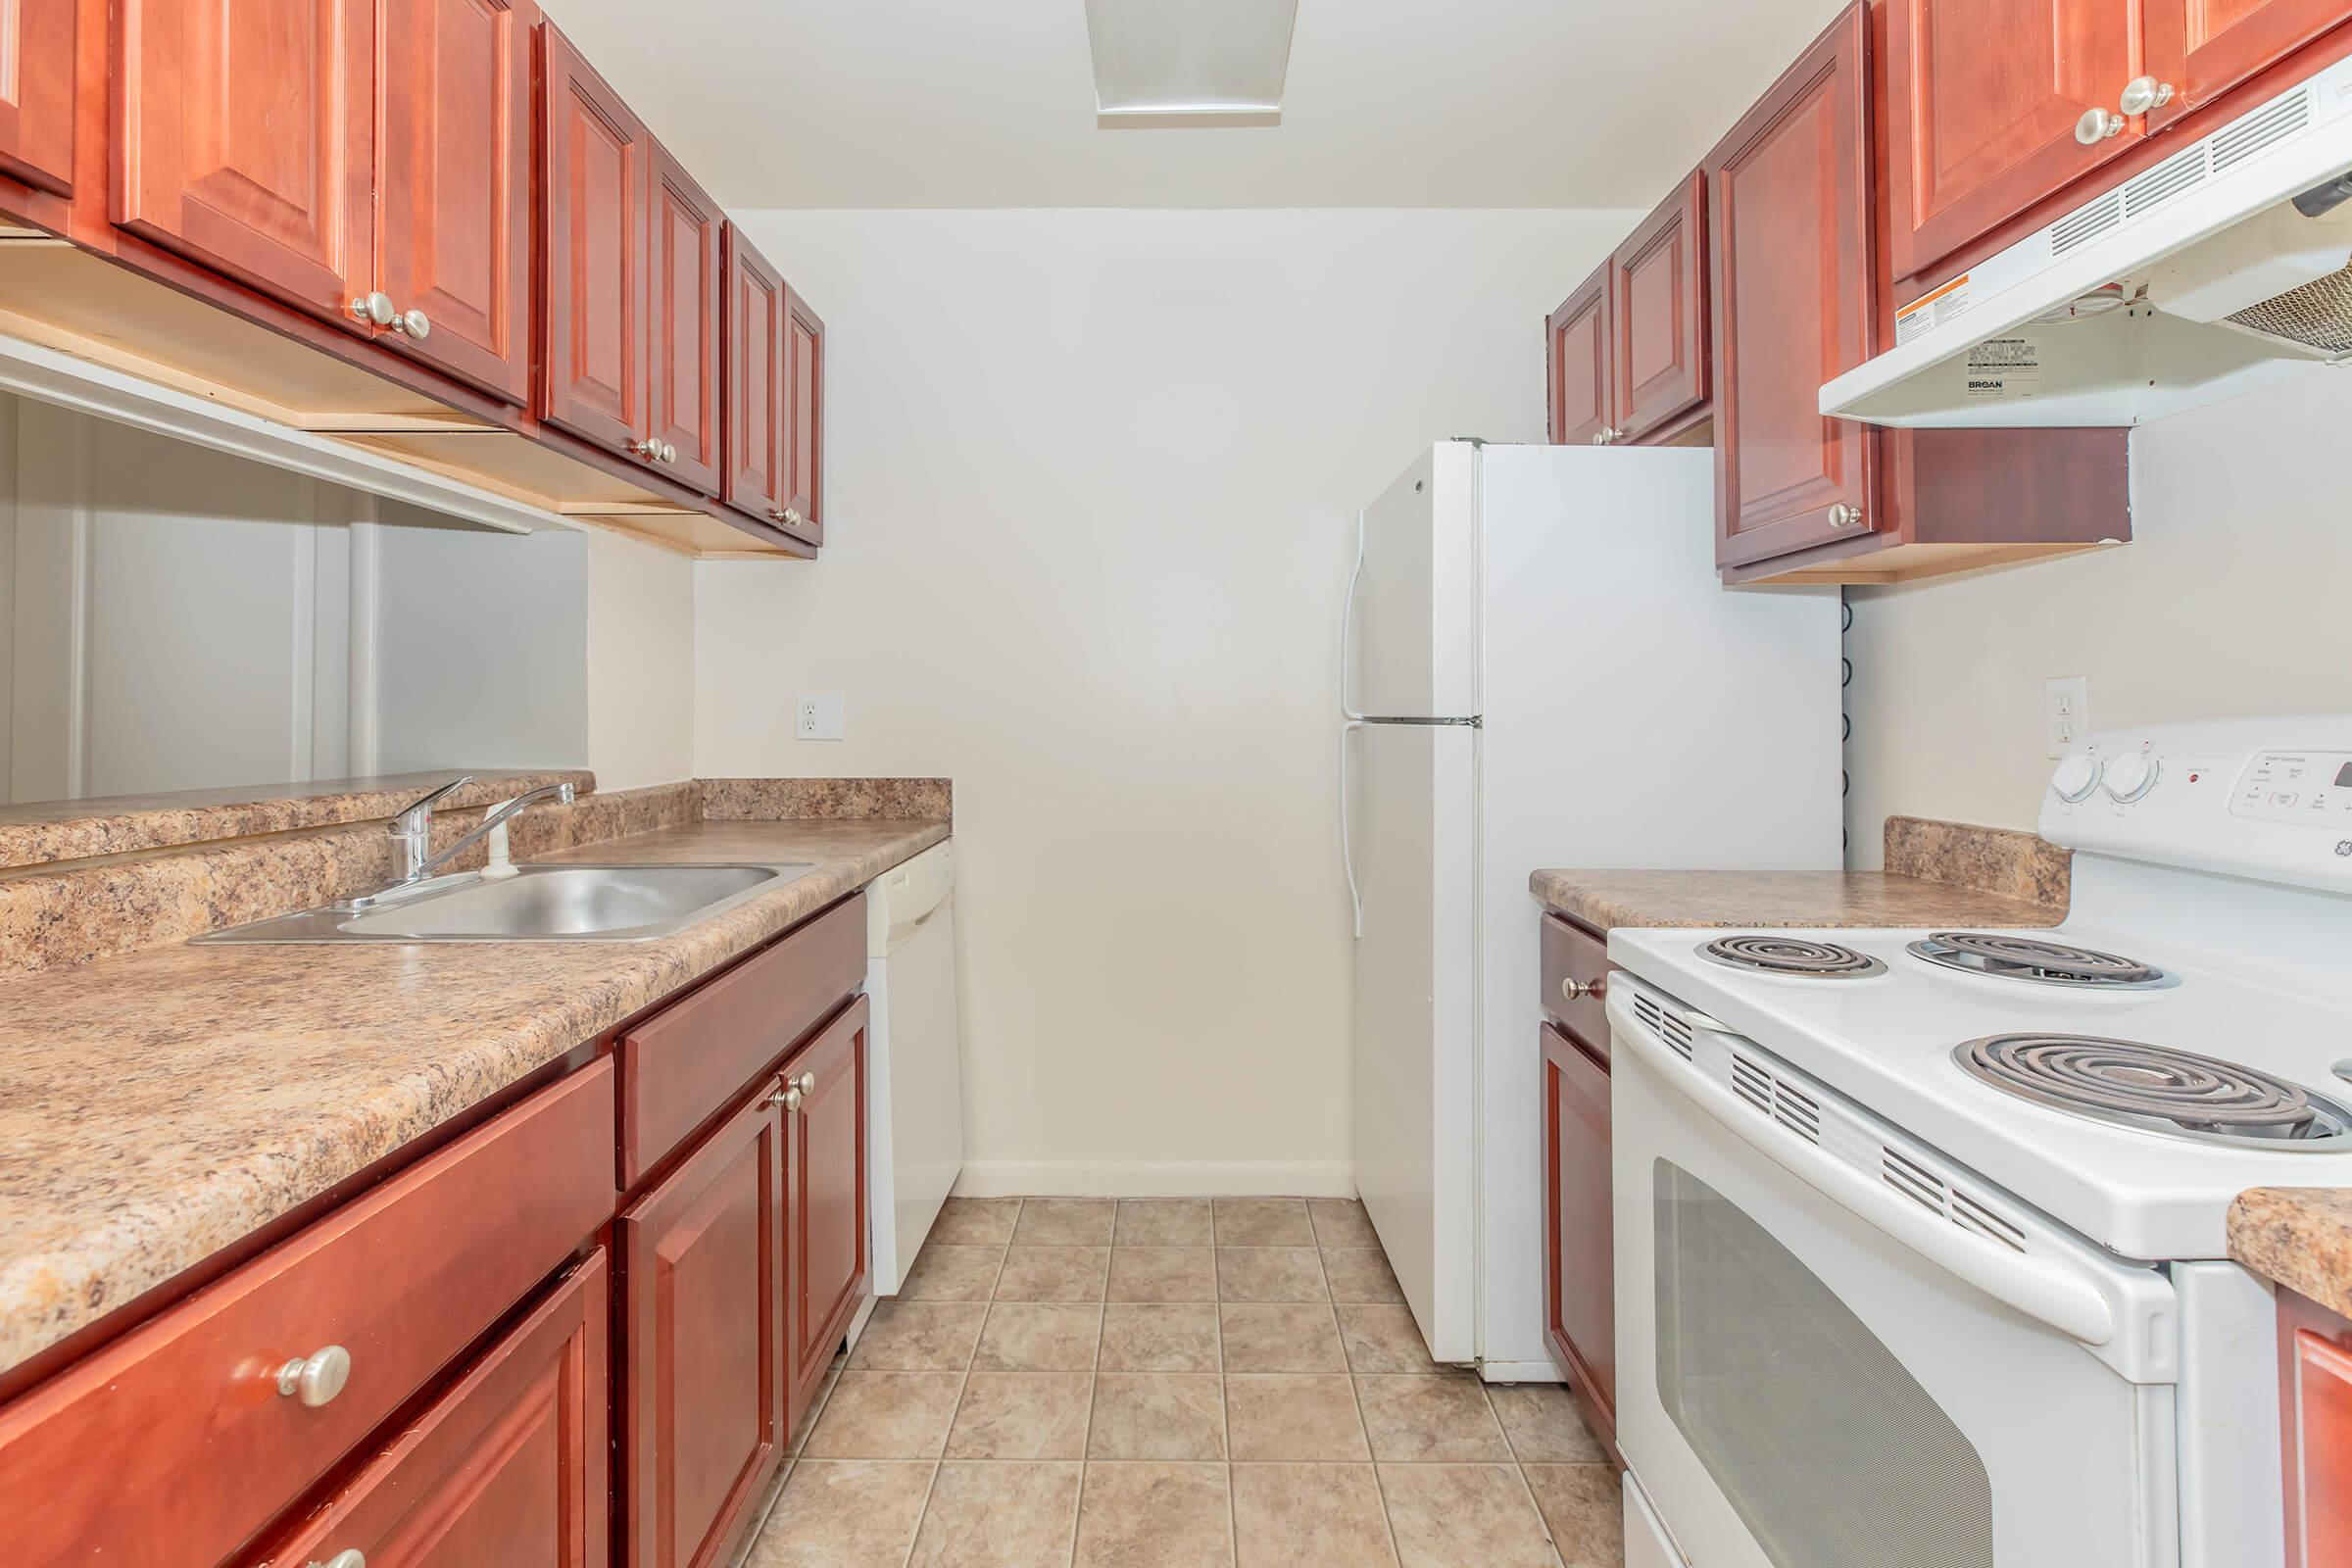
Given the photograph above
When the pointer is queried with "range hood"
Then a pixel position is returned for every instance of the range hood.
(2226, 268)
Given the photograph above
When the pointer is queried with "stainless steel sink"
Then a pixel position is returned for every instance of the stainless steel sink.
(537, 903)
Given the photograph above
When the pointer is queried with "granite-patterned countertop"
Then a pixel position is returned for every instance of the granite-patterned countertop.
(2300, 1237)
(157, 1107)
(1609, 900)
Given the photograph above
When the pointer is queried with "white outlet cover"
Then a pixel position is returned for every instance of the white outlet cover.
(817, 718)
(2065, 712)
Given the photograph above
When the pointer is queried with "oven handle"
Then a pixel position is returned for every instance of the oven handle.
(2042, 1289)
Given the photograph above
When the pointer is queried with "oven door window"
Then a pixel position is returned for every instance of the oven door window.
(1831, 1452)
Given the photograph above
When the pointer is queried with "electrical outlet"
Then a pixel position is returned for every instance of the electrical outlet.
(2065, 712)
(817, 718)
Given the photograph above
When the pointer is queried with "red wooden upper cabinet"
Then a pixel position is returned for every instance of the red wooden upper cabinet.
(246, 140)
(1788, 230)
(703, 1369)
(751, 479)
(681, 351)
(36, 93)
(454, 246)
(2199, 49)
(1658, 316)
(804, 420)
(1997, 103)
(824, 1182)
(1578, 339)
(598, 165)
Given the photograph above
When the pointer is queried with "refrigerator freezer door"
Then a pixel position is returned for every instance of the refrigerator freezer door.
(1414, 818)
(1411, 643)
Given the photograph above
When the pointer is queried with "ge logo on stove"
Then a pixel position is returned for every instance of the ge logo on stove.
(2344, 847)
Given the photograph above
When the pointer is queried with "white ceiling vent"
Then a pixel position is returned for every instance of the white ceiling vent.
(1195, 63)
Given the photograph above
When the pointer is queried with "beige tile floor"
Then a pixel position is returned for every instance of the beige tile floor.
(1175, 1382)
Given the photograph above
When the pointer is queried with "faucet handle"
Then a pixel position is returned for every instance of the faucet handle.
(420, 810)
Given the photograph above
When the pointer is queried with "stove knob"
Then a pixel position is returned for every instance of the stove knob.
(2130, 775)
(2075, 778)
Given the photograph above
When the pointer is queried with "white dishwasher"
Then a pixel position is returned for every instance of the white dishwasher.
(914, 1077)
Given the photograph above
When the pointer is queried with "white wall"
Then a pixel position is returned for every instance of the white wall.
(640, 665)
(1092, 481)
(2235, 599)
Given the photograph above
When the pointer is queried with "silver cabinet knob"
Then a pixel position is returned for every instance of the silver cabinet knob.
(807, 1083)
(1844, 515)
(670, 454)
(315, 1379)
(649, 449)
(791, 515)
(2144, 93)
(1600, 438)
(1577, 989)
(351, 1557)
(786, 514)
(414, 324)
(374, 309)
(2096, 125)
(792, 1098)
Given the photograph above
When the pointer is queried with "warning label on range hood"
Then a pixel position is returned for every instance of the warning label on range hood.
(1931, 310)
(2005, 368)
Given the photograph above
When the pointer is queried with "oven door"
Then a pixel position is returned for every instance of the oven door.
(1836, 1349)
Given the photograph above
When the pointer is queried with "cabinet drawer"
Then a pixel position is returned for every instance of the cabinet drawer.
(678, 1067)
(1573, 955)
(509, 1466)
(174, 1445)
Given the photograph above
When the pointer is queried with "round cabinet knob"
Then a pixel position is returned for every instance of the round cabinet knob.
(791, 515)
(1577, 989)
(2075, 778)
(792, 1098)
(2130, 775)
(649, 449)
(670, 454)
(2096, 125)
(414, 324)
(375, 309)
(2144, 93)
(1844, 515)
(352, 1557)
(315, 1379)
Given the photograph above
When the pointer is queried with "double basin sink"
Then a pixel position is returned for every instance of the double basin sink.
(536, 903)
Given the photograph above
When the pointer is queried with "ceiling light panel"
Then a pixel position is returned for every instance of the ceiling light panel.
(1175, 62)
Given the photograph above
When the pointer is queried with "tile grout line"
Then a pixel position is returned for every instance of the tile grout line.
(1510, 1445)
(1233, 1523)
(923, 1515)
(1355, 1392)
(1093, 1385)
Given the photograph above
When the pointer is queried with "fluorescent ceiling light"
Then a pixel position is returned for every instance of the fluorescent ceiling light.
(1190, 62)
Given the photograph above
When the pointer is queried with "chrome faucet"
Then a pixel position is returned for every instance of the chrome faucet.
(413, 828)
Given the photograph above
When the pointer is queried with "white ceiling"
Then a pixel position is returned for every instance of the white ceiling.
(1391, 103)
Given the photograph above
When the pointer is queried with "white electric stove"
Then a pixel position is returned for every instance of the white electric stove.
(1921, 1234)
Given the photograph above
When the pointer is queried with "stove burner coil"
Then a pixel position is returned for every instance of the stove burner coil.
(1793, 956)
(2014, 955)
(2173, 1093)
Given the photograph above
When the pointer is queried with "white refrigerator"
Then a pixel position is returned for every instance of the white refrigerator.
(1539, 668)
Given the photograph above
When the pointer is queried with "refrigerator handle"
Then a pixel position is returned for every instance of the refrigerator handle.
(1355, 575)
(1355, 895)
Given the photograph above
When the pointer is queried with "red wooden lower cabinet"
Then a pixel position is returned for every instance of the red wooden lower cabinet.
(1580, 1313)
(703, 1369)
(2315, 1408)
(509, 1466)
(825, 1200)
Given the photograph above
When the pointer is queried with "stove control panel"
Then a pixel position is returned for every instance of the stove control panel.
(2309, 787)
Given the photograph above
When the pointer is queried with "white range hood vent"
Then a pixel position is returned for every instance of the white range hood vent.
(1190, 62)
(2226, 268)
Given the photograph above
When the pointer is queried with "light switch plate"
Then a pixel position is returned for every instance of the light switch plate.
(2065, 712)
(817, 718)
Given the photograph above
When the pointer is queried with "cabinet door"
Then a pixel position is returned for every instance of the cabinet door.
(36, 93)
(804, 420)
(509, 1465)
(681, 346)
(246, 140)
(702, 1371)
(2202, 48)
(825, 1187)
(1789, 236)
(1578, 338)
(1579, 1279)
(1986, 96)
(1658, 316)
(592, 245)
(455, 205)
(2315, 1399)
(752, 478)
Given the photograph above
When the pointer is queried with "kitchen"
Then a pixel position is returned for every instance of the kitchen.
(927, 535)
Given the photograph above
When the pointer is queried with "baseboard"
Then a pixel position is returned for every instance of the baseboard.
(1544, 1371)
(1010, 1178)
